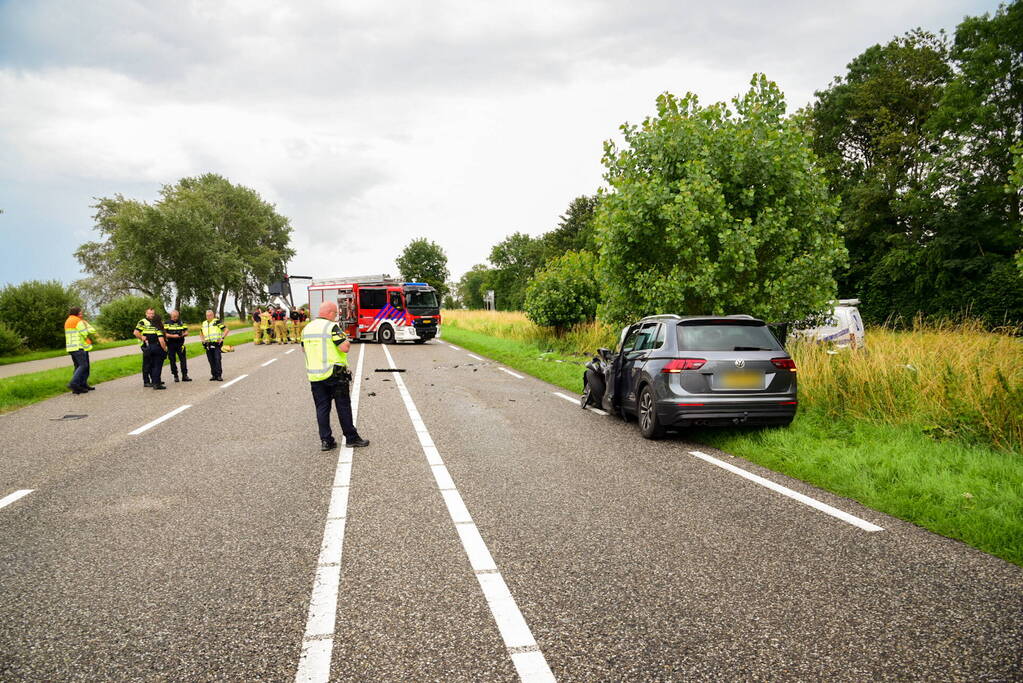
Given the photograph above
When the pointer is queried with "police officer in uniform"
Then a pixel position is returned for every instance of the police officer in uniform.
(78, 336)
(326, 363)
(213, 333)
(149, 331)
(176, 333)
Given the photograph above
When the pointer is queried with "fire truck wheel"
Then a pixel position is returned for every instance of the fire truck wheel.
(386, 334)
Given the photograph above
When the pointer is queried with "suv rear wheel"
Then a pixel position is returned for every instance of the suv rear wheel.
(649, 427)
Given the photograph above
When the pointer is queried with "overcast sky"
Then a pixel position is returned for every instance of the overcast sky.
(370, 124)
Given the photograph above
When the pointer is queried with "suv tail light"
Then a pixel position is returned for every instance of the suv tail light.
(784, 364)
(680, 364)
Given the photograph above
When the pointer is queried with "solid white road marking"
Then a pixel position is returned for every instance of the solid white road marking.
(318, 642)
(795, 495)
(290, 351)
(473, 355)
(158, 420)
(272, 360)
(513, 374)
(17, 495)
(239, 378)
(598, 411)
(510, 623)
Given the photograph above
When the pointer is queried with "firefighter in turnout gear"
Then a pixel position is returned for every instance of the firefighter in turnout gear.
(176, 333)
(213, 333)
(326, 363)
(78, 334)
(149, 331)
(280, 326)
(257, 331)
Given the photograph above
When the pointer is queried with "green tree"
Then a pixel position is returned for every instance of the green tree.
(473, 285)
(717, 210)
(36, 311)
(513, 261)
(424, 261)
(575, 231)
(204, 239)
(118, 318)
(565, 292)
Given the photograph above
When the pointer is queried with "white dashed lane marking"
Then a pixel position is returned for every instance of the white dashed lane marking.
(290, 351)
(568, 398)
(513, 374)
(272, 360)
(473, 355)
(785, 491)
(239, 378)
(17, 495)
(525, 654)
(160, 419)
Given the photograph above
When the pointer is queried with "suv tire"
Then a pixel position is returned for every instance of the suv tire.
(649, 426)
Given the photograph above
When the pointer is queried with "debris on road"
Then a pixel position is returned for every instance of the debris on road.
(67, 417)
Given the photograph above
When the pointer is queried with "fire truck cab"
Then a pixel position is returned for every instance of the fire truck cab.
(380, 308)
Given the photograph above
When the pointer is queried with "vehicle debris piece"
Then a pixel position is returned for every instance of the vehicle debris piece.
(389, 370)
(67, 417)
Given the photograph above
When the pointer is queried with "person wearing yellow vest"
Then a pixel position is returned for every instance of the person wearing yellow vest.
(212, 334)
(78, 334)
(150, 332)
(326, 366)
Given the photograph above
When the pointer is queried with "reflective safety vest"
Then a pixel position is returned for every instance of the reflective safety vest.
(175, 327)
(213, 330)
(78, 337)
(321, 352)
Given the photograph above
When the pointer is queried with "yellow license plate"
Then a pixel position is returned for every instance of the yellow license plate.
(742, 380)
(426, 320)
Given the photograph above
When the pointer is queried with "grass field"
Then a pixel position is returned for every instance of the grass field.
(232, 323)
(869, 428)
(21, 390)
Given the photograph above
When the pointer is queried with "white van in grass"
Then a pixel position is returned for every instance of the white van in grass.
(843, 328)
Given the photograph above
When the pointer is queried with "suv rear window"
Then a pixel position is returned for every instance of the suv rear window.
(716, 336)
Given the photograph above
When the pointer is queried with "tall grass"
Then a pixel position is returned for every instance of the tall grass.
(954, 380)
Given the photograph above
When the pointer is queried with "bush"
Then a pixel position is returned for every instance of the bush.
(10, 341)
(193, 314)
(36, 311)
(565, 292)
(118, 318)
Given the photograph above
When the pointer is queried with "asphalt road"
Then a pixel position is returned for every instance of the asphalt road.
(493, 530)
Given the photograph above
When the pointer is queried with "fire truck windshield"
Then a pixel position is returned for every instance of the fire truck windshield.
(421, 298)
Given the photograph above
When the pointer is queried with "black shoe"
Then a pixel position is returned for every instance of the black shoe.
(328, 445)
(357, 443)
(89, 388)
(147, 384)
(218, 379)
(176, 378)
(78, 390)
(213, 379)
(186, 378)
(161, 385)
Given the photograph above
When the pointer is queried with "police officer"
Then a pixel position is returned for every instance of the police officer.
(78, 334)
(213, 333)
(326, 364)
(149, 331)
(176, 333)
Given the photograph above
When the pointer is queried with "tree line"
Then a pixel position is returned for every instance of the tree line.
(900, 184)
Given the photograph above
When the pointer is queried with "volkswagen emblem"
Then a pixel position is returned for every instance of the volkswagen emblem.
(740, 363)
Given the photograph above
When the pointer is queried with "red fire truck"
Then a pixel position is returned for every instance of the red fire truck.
(380, 308)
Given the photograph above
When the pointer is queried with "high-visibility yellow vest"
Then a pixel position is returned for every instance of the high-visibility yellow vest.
(213, 330)
(321, 353)
(78, 338)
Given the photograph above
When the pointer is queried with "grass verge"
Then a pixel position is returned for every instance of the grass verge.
(965, 491)
(22, 390)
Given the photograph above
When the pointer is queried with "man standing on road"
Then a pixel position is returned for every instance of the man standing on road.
(176, 333)
(213, 333)
(326, 365)
(78, 335)
(257, 331)
(280, 327)
(149, 331)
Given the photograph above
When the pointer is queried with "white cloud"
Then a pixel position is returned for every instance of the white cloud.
(373, 124)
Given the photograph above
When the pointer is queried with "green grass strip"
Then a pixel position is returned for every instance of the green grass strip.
(22, 390)
(967, 492)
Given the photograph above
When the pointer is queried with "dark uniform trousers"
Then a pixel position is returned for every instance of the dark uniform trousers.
(152, 363)
(213, 354)
(333, 390)
(176, 352)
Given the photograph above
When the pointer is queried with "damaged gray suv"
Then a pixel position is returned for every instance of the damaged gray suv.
(671, 372)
